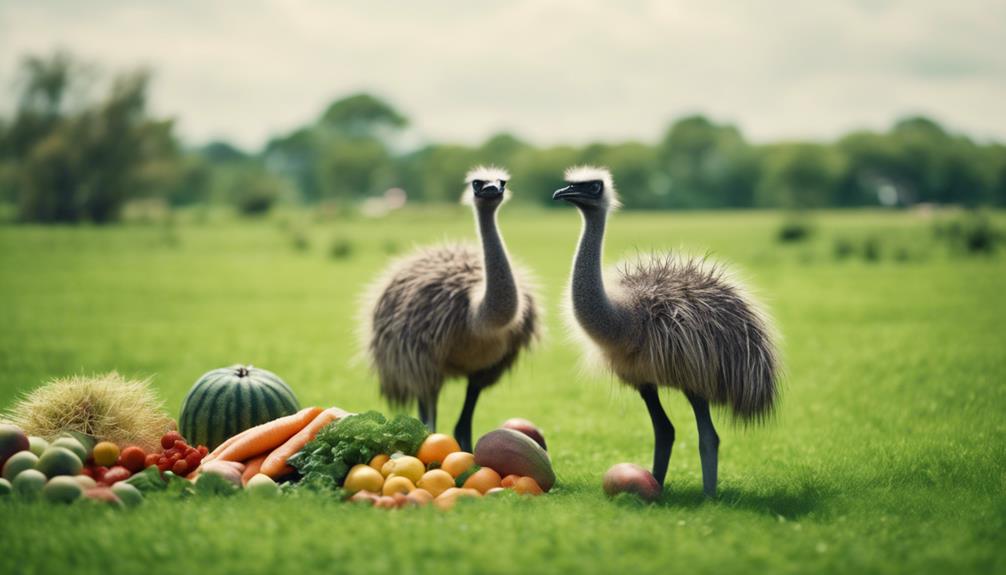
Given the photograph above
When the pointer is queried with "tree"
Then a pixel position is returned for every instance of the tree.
(708, 165)
(799, 176)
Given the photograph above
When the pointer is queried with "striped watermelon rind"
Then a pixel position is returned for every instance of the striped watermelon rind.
(225, 402)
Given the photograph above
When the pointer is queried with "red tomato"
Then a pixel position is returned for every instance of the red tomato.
(180, 468)
(132, 458)
(152, 459)
(169, 439)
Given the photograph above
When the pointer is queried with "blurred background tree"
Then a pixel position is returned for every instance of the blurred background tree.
(77, 148)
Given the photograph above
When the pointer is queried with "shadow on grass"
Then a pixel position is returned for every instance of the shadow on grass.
(786, 503)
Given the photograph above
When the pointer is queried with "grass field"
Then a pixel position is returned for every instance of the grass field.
(888, 454)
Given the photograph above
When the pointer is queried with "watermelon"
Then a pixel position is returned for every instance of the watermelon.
(227, 401)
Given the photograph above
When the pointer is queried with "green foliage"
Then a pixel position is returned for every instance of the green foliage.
(356, 439)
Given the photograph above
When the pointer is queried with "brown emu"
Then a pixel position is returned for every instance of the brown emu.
(452, 310)
(670, 321)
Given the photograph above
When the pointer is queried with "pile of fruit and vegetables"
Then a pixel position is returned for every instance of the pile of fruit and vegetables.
(106, 439)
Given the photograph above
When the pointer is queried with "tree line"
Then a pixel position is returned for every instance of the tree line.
(78, 149)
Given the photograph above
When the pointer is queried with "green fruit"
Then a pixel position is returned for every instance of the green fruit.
(73, 445)
(262, 485)
(12, 440)
(5, 487)
(59, 461)
(17, 463)
(86, 440)
(37, 445)
(62, 490)
(28, 483)
(128, 494)
(510, 452)
(225, 402)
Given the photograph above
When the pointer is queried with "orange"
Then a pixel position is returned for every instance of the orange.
(483, 480)
(397, 484)
(527, 486)
(420, 497)
(448, 498)
(363, 478)
(436, 447)
(436, 481)
(457, 463)
(509, 480)
(379, 460)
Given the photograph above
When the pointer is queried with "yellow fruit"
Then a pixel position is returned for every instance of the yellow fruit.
(105, 453)
(436, 447)
(483, 480)
(397, 484)
(436, 481)
(457, 463)
(363, 478)
(379, 460)
(407, 466)
(388, 467)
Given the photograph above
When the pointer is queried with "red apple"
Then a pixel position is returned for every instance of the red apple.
(527, 428)
(631, 478)
(12, 440)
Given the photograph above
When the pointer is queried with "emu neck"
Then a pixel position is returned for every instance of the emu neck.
(500, 300)
(603, 320)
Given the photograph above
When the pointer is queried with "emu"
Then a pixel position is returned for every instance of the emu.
(670, 321)
(452, 310)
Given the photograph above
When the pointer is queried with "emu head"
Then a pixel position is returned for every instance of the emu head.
(589, 188)
(486, 186)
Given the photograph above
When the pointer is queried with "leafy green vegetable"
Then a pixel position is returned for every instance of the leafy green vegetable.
(325, 461)
(213, 484)
(148, 480)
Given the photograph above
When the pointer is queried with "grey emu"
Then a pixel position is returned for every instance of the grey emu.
(452, 310)
(670, 321)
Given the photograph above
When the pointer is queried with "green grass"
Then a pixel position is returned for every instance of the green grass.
(887, 454)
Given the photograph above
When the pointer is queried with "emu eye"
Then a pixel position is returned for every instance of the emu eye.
(596, 188)
(477, 185)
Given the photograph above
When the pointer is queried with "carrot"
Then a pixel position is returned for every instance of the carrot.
(220, 448)
(268, 436)
(274, 464)
(252, 467)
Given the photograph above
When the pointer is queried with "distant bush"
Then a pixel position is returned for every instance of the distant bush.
(341, 248)
(871, 249)
(299, 241)
(255, 193)
(843, 248)
(795, 229)
(973, 233)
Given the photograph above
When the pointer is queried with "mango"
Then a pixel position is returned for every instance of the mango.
(12, 440)
(17, 463)
(511, 452)
(58, 461)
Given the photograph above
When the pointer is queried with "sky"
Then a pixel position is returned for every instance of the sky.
(549, 71)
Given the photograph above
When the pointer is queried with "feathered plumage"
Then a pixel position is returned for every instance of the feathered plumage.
(419, 332)
(700, 332)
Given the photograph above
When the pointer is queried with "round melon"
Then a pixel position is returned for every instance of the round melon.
(227, 401)
(62, 490)
(58, 461)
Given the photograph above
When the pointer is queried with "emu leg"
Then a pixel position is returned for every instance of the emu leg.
(709, 444)
(428, 413)
(463, 429)
(663, 432)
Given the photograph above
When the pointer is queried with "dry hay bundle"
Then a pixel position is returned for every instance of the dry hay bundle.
(107, 407)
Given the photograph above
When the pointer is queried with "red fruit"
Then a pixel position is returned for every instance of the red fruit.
(203, 450)
(180, 445)
(193, 459)
(152, 459)
(631, 478)
(116, 474)
(527, 428)
(175, 457)
(133, 458)
(98, 473)
(169, 439)
(164, 466)
(87, 471)
(180, 468)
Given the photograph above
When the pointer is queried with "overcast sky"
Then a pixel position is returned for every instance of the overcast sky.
(548, 71)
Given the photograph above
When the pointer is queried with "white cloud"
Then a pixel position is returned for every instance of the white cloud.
(550, 71)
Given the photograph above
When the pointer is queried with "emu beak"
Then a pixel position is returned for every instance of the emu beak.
(564, 193)
(490, 190)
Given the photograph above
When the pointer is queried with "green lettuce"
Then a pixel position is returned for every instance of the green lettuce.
(352, 440)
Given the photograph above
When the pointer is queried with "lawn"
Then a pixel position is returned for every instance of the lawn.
(886, 455)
